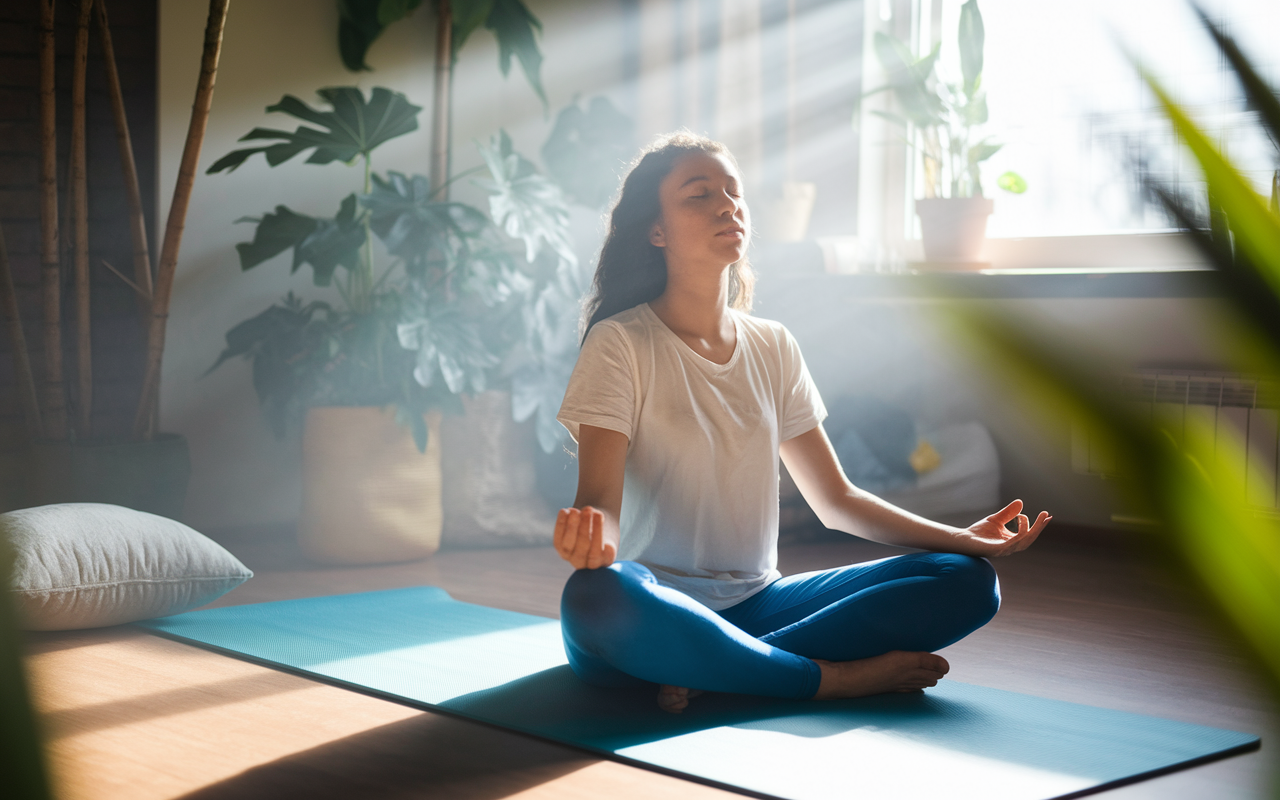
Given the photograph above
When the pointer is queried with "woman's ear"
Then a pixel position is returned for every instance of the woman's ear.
(656, 236)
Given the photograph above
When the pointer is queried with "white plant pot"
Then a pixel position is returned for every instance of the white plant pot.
(954, 229)
(368, 495)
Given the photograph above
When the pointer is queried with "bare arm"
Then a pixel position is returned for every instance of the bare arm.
(587, 535)
(842, 506)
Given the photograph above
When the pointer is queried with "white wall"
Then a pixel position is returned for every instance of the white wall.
(902, 350)
(241, 474)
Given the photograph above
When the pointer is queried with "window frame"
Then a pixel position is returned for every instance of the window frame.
(887, 226)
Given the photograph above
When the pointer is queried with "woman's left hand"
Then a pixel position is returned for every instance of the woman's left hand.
(990, 537)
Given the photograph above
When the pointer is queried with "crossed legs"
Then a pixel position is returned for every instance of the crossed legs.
(798, 634)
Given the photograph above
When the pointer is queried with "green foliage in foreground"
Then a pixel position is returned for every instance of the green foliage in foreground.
(21, 759)
(1191, 483)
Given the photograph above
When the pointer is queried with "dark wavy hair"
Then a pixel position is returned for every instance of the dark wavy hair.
(632, 270)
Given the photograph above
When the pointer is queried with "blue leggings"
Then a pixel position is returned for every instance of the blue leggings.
(622, 628)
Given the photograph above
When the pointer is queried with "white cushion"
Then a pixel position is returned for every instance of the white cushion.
(87, 565)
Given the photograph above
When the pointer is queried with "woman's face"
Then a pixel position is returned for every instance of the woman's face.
(704, 218)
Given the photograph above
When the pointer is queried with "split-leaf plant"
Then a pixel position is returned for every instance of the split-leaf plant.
(428, 289)
(585, 154)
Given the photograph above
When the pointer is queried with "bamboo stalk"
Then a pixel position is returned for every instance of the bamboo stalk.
(55, 402)
(145, 422)
(439, 173)
(133, 195)
(21, 359)
(80, 218)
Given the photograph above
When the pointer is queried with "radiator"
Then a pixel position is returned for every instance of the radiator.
(1229, 404)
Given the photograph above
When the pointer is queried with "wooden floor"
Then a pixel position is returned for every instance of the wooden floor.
(129, 715)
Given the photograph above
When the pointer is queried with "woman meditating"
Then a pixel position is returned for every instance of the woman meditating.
(681, 404)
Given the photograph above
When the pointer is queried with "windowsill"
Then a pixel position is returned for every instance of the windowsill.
(1129, 265)
(1145, 282)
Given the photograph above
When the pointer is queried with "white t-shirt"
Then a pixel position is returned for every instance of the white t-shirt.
(700, 498)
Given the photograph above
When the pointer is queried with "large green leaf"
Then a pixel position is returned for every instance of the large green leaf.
(353, 128)
(468, 15)
(276, 232)
(515, 26)
(1260, 95)
(974, 110)
(360, 22)
(334, 243)
(909, 80)
(983, 150)
(587, 150)
(413, 226)
(325, 244)
(972, 38)
(512, 23)
(288, 345)
(1230, 552)
(1256, 229)
(449, 349)
(523, 203)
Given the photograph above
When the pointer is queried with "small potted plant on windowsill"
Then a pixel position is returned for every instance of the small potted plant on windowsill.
(422, 319)
(953, 212)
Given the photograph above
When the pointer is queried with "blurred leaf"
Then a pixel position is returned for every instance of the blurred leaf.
(909, 80)
(551, 322)
(449, 347)
(1257, 230)
(587, 151)
(467, 16)
(972, 39)
(523, 203)
(974, 111)
(982, 151)
(1260, 96)
(334, 242)
(360, 22)
(412, 225)
(514, 26)
(896, 119)
(1012, 182)
(353, 128)
(21, 755)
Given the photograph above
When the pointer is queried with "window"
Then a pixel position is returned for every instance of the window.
(1076, 119)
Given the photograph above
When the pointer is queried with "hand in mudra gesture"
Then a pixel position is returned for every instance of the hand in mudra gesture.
(990, 537)
(580, 538)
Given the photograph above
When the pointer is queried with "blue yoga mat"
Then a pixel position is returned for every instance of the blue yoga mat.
(420, 647)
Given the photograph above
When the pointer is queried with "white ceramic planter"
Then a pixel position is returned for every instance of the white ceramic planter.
(955, 228)
(368, 495)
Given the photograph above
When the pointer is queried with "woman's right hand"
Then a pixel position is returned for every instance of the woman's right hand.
(580, 538)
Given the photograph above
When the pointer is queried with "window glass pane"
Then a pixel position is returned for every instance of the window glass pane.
(1074, 114)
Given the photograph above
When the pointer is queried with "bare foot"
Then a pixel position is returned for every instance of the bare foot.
(896, 671)
(674, 699)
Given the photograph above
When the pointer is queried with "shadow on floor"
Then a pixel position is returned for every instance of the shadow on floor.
(423, 756)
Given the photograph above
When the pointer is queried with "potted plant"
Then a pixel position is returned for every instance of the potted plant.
(953, 212)
(70, 460)
(585, 154)
(420, 320)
